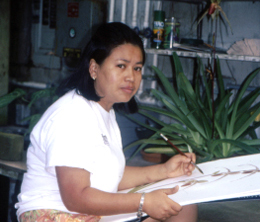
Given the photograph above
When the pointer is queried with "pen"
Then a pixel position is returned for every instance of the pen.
(175, 147)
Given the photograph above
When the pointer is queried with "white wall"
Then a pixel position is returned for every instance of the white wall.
(243, 16)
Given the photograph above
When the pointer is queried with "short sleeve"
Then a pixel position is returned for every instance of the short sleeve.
(72, 140)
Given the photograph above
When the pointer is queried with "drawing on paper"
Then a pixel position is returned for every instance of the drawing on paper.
(204, 179)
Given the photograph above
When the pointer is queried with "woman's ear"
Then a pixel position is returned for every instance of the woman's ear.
(93, 67)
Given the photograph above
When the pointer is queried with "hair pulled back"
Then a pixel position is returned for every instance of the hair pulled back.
(107, 37)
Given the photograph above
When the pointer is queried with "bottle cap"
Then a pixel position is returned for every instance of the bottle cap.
(159, 15)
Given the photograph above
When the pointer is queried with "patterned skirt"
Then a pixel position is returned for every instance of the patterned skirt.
(49, 215)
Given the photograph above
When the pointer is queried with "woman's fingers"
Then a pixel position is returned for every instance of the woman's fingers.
(170, 191)
(159, 206)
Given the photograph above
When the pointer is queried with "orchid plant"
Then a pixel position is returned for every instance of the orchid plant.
(214, 10)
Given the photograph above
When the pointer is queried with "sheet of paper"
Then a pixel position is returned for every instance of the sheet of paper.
(222, 179)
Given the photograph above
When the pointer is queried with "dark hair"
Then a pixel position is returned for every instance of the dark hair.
(107, 37)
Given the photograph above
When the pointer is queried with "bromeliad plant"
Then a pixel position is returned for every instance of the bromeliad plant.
(221, 131)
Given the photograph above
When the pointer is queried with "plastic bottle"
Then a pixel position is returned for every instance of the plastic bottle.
(171, 32)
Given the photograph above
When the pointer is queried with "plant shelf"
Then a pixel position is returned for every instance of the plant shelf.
(191, 54)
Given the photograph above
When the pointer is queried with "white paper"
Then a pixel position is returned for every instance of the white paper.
(222, 179)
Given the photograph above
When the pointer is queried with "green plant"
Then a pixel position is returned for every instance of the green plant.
(39, 95)
(5, 100)
(221, 131)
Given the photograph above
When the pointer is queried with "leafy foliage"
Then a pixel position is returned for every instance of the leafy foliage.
(36, 96)
(221, 131)
(8, 98)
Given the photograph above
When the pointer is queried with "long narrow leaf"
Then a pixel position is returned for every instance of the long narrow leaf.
(178, 128)
(10, 97)
(246, 124)
(220, 80)
(245, 147)
(243, 117)
(45, 93)
(237, 101)
(221, 107)
(167, 85)
(188, 120)
(248, 100)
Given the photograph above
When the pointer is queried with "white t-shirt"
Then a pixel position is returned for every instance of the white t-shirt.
(73, 132)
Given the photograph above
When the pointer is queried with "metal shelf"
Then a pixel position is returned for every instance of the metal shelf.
(199, 1)
(190, 54)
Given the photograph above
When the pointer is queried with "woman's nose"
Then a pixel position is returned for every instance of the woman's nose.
(130, 75)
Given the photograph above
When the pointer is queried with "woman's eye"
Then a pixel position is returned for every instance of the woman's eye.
(121, 66)
(138, 69)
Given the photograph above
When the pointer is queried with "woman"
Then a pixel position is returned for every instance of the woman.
(75, 160)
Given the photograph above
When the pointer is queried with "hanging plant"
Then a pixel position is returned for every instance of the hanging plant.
(214, 10)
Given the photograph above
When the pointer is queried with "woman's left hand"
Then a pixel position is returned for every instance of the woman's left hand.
(180, 165)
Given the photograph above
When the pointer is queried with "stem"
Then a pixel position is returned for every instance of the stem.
(213, 77)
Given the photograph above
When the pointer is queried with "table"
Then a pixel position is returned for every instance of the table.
(13, 169)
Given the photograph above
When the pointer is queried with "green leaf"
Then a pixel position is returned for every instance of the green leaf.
(177, 63)
(162, 150)
(242, 145)
(10, 97)
(248, 100)
(242, 90)
(49, 92)
(166, 84)
(246, 124)
(171, 127)
(191, 113)
(250, 129)
(33, 121)
(221, 107)
(220, 80)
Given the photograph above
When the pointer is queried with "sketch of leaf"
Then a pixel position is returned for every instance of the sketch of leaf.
(249, 172)
(193, 182)
(234, 172)
(222, 174)
(189, 183)
(139, 188)
(215, 173)
(202, 181)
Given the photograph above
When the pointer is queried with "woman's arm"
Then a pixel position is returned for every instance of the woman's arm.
(78, 196)
(178, 165)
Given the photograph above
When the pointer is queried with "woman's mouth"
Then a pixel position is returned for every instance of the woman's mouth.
(128, 90)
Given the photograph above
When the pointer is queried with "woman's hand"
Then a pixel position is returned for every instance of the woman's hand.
(159, 206)
(180, 165)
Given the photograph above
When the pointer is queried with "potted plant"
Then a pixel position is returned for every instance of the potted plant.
(219, 131)
(30, 99)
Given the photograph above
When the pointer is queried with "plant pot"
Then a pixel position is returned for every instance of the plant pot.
(154, 157)
(11, 148)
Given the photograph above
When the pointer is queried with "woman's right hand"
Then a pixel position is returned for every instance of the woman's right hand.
(159, 206)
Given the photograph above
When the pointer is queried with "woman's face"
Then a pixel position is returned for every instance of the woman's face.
(118, 78)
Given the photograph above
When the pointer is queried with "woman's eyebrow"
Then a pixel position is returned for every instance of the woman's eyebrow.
(125, 60)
